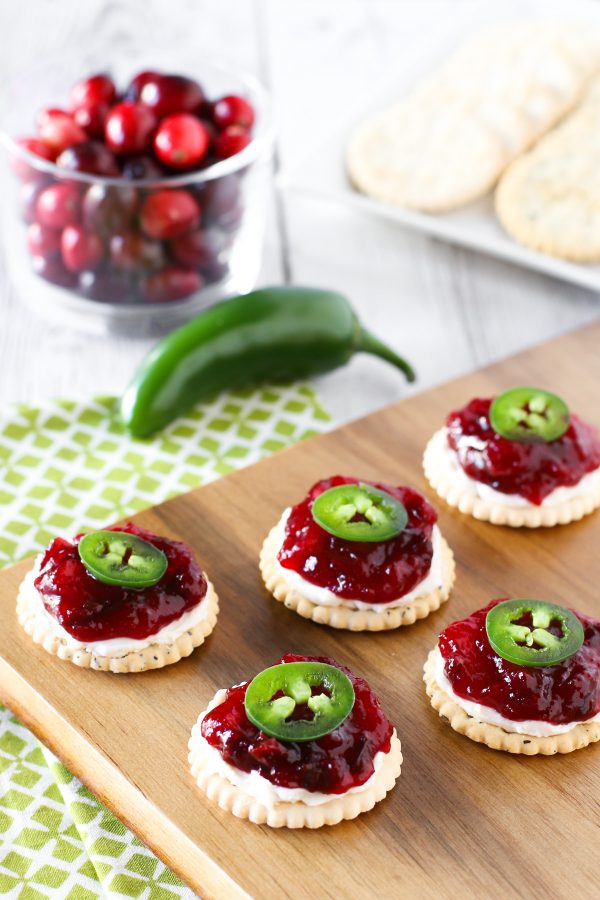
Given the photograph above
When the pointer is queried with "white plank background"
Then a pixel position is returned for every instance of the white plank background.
(448, 309)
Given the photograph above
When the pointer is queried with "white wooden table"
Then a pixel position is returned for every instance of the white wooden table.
(448, 309)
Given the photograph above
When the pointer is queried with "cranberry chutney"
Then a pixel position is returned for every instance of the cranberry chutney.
(377, 572)
(333, 764)
(568, 692)
(531, 470)
(90, 610)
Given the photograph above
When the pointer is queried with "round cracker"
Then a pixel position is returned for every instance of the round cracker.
(234, 799)
(442, 477)
(497, 738)
(154, 656)
(344, 616)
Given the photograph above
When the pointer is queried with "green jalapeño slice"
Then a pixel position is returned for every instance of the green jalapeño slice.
(299, 701)
(529, 415)
(116, 557)
(359, 512)
(533, 632)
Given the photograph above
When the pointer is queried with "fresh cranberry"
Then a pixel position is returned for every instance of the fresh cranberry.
(219, 199)
(59, 130)
(90, 156)
(21, 167)
(168, 94)
(232, 110)
(181, 141)
(92, 91)
(59, 205)
(197, 249)
(43, 241)
(107, 209)
(92, 118)
(136, 84)
(141, 167)
(230, 141)
(130, 251)
(53, 269)
(215, 272)
(170, 283)
(167, 214)
(129, 127)
(28, 196)
(80, 249)
(106, 285)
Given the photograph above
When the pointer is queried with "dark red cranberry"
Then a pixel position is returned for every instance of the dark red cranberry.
(59, 205)
(170, 283)
(197, 249)
(219, 199)
(136, 84)
(53, 269)
(59, 130)
(130, 251)
(216, 272)
(129, 127)
(92, 118)
(107, 285)
(168, 94)
(109, 209)
(181, 141)
(138, 167)
(29, 193)
(232, 110)
(230, 141)
(167, 214)
(92, 91)
(91, 156)
(21, 167)
(80, 249)
(43, 241)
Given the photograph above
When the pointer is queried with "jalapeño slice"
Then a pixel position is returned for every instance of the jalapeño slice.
(299, 701)
(529, 415)
(359, 512)
(116, 557)
(533, 632)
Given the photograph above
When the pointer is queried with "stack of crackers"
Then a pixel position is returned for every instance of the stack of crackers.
(530, 86)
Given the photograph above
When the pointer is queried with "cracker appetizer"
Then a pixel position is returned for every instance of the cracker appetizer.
(521, 676)
(519, 459)
(359, 555)
(304, 744)
(119, 600)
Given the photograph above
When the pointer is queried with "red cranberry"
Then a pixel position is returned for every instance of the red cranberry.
(131, 251)
(219, 199)
(129, 127)
(232, 110)
(59, 205)
(92, 91)
(21, 167)
(106, 285)
(215, 272)
(166, 214)
(181, 141)
(92, 118)
(198, 249)
(168, 94)
(109, 209)
(138, 167)
(54, 270)
(80, 249)
(136, 84)
(170, 283)
(43, 241)
(59, 130)
(230, 141)
(90, 156)
(29, 193)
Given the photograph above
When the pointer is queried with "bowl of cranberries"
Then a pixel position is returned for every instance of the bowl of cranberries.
(139, 199)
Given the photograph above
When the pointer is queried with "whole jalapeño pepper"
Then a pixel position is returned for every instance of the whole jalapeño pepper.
(270, 335)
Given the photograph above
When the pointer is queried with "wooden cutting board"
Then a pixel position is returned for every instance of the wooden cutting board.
(463, 820)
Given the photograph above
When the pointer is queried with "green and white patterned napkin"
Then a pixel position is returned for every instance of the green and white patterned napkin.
(66, 467)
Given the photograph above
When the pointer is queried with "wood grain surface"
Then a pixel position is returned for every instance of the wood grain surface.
(463, 820)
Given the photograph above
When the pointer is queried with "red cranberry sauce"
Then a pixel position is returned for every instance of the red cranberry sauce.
(92, 611)
(332, 764)
(560, 694)
(530, 470)
(358, 570)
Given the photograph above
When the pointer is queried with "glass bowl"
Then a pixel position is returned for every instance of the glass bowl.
(141, 286)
